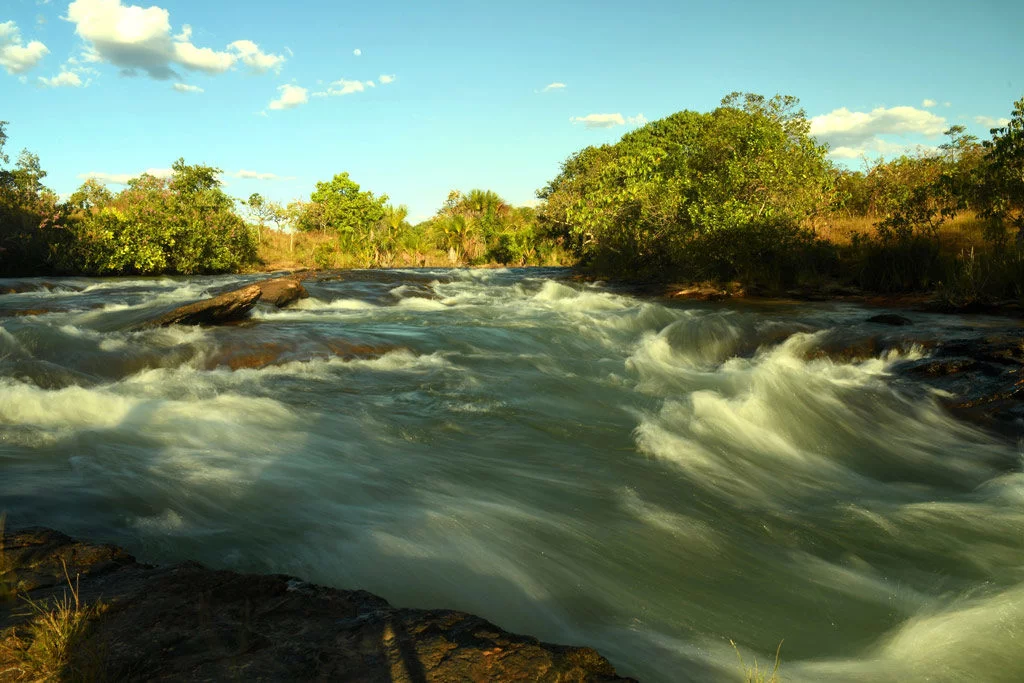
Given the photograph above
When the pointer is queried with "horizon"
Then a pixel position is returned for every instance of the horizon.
(461, 97)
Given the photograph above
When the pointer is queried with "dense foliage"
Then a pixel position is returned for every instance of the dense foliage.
(185, 224)
(710, 194)
(741, 193)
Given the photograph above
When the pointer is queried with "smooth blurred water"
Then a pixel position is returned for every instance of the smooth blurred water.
(652, 479)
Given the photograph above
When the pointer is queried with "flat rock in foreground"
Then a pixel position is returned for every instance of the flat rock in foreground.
(189, 623)
(227, 307)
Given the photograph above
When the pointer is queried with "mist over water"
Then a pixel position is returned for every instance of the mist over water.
(645, 477)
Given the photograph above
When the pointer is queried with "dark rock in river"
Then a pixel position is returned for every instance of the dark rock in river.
(24, 287)
(282, 291)
(985, 377)
(890, 319)
(189, 623)
(227, 307)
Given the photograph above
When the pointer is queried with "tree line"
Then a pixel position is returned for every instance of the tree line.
(741, 193)
(745, 193)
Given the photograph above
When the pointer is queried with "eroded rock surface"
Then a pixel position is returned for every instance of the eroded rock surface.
(189, 623)
(985, 378)
(227, 307)
(282, 291)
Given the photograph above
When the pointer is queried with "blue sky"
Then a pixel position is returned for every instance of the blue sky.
(111, 89)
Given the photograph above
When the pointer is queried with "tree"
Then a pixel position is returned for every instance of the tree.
(729, 186)
(343, 208)
(1002, 200)
(91, 195)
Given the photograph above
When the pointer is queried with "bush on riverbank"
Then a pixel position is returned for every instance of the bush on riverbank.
(744, 193)
(184, 225)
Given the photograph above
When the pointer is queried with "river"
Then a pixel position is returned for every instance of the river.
(649, 478)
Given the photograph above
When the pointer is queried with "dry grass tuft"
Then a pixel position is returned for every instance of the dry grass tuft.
(754, 674)
(45, 648)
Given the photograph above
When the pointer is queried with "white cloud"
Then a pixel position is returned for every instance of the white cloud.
(342, 86)
(65, 79)
(553, 86)
(927, 104)
(137, 39)
(599, 120)
(371, 84)
(879, 147)
(15, 57)
(386, 78)
(202, 58)
(291, 97)
(258, 61)
(255, 175)
(357, 52)
(184, 87)
(843, 128)
(990, 122)
(123, 178)
(638, 120)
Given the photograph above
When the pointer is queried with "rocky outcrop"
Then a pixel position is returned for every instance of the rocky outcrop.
(984, 378)
(227, 307)
(189, 623)
(282, 291)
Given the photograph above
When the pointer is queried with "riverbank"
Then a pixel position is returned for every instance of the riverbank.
(133, 621)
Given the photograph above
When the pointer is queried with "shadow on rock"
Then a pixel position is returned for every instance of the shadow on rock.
(186, 623)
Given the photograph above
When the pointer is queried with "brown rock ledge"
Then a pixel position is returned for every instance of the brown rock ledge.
(227, 307)
(189, 623)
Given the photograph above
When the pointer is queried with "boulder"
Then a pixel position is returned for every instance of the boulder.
(227, 307)
(282, 291)
(890, 319)
(190, 623)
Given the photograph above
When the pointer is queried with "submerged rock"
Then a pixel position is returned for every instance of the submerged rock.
(984, 380)
(227, 307)
(190, 623)
(890, 319)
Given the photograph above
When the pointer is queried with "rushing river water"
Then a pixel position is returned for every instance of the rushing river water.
(648, 478)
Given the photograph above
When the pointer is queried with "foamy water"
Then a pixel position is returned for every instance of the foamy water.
(652, 479)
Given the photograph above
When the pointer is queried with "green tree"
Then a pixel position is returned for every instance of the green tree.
(1002, 195)
(714, 194)
(342, 207)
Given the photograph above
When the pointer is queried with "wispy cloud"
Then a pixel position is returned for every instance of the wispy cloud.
(927, 104)
(65, 79)
(258, 61)
(386, 78)
(184, 87)
(990, 122)
(880, 147)
(599, 120)
(342, 86)
(357, 52)
(291, 96)
(553, 86)
(124, 178)
(608, 120)
(15, 56)
(244, 174)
